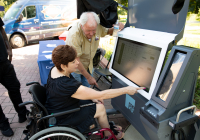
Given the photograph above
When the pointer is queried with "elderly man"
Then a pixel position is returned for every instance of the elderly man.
(84, 36)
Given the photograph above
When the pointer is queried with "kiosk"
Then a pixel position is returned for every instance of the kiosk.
(165, 107)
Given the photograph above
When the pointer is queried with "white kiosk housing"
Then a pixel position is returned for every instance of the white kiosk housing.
(138, 57)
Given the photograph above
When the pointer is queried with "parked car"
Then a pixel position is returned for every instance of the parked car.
(29, 20)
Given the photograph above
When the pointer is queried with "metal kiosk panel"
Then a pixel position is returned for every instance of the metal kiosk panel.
(171, 106)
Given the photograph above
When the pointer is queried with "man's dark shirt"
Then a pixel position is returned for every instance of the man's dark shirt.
(3, 50)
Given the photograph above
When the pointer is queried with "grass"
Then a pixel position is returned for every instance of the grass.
(122, 19)
(190, 41)
(192, 24)
(192, 28)
(187, 40)
(195, 32)
(108, 45)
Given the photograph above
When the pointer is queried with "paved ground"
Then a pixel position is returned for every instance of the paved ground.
(25, 63)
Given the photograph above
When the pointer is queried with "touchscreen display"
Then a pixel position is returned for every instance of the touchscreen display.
(136, 61)
(171, 75)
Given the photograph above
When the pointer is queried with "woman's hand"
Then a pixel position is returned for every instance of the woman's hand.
(132, 90)
(98, 101)
(198, 113)
(101, 101)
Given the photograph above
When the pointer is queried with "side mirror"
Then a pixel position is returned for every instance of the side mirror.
(20, 17)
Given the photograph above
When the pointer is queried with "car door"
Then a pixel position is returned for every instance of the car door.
(30, 23)
(51, 15)
(56, 17)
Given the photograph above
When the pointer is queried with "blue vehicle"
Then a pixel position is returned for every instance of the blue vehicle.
(30, 20)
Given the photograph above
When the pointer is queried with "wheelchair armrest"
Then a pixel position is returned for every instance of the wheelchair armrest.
(66, 112)
(30, 83)
(26, 103)
(58, 114)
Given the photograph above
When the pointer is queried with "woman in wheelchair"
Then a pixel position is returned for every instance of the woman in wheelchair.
(64, 93)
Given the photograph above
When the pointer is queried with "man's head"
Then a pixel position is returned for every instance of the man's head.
(89, 22)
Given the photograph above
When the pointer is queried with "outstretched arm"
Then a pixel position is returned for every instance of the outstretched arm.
(85, 93)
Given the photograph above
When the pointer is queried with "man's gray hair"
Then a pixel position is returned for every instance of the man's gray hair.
(84, 18)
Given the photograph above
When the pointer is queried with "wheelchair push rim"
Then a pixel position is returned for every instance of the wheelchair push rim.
(58, 133)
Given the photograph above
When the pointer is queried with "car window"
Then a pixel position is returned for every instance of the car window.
(12, 12)
(31, 11)
(24, 14)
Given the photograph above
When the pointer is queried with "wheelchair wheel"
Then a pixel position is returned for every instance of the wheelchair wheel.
(58, 133)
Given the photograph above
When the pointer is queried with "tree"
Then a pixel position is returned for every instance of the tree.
(122, 11)
(8, 2)
(123, 2)
(194, 6)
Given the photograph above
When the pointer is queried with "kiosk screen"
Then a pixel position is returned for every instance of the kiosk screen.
(136, 61)
(171, 75)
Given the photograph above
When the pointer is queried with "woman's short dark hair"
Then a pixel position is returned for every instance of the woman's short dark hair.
(63, 54)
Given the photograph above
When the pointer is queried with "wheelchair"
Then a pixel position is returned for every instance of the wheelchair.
(40, 126)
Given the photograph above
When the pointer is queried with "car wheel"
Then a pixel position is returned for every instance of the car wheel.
(17, 41)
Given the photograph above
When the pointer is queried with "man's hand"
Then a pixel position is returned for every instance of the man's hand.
(92, 81)
(110, 30)
(121, 26)
(84, 72)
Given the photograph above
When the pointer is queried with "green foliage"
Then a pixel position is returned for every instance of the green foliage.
(122, 2)
(1, 12)
(198, 15)
(193, 17)
(7, 4)
(120, 10)
(194, 6)
(197, 92)
(108, 45)
(123, 18)
(108, 54)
